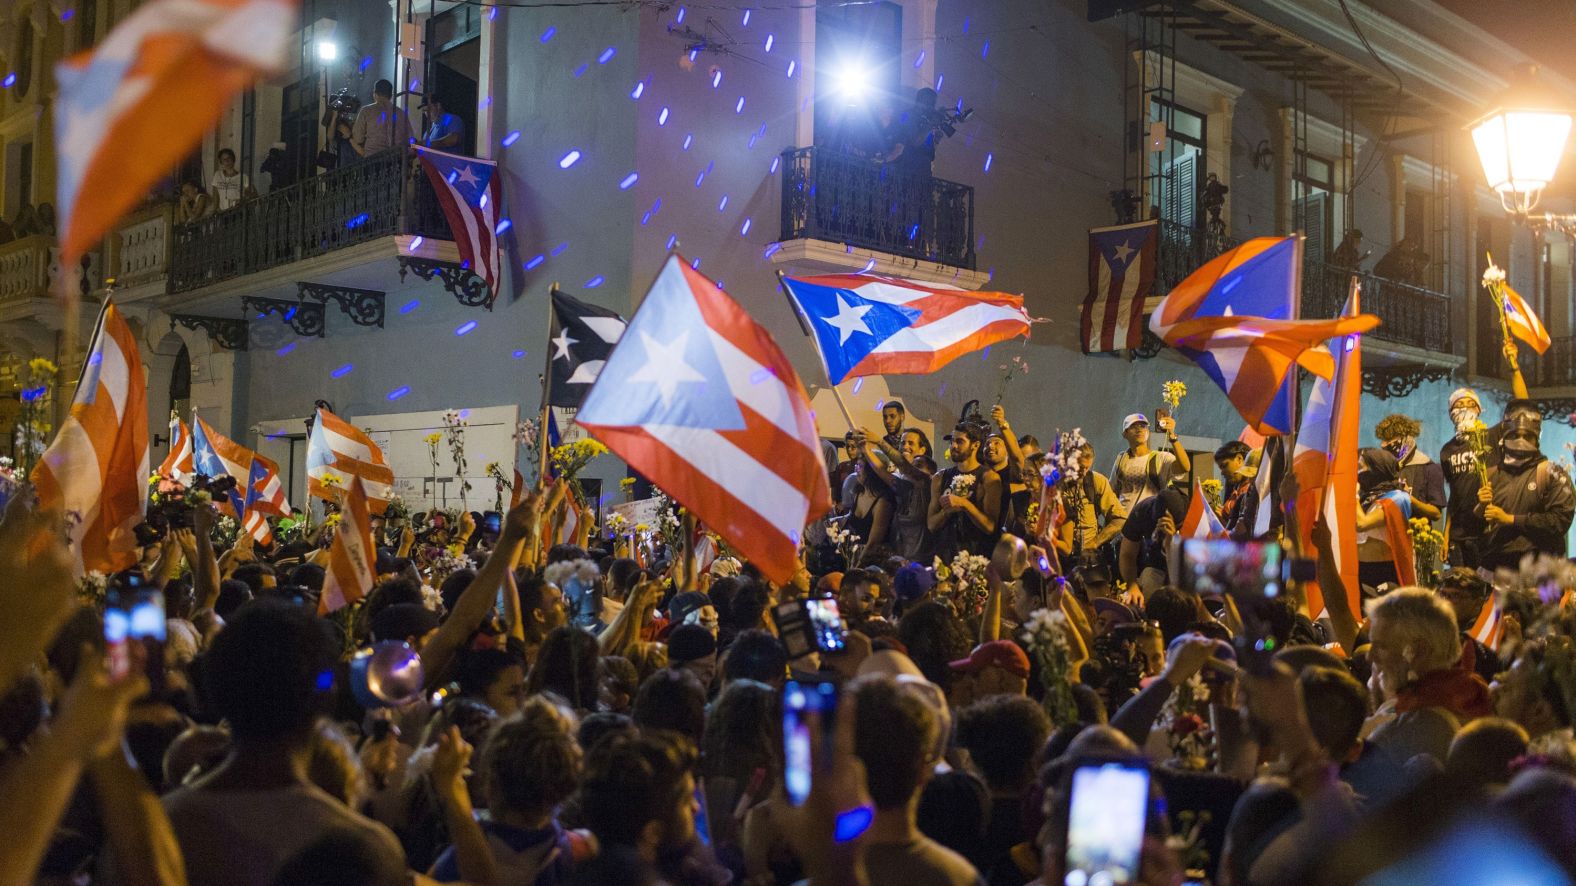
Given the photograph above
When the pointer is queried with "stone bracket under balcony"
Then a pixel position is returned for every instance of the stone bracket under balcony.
(825, 257)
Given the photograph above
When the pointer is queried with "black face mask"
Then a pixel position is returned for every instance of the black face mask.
(1517, 452)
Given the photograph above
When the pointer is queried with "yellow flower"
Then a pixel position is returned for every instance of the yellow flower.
(627, 484)
(642, 527)
(42, 366)
(432, 439)
(1172, 392)
(330, 478)
(331, 520)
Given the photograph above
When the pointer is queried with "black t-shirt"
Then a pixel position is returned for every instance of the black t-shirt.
(1459, 463)
(1141, 523)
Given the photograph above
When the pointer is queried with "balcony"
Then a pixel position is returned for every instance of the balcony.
(1183, 249)
(1409, 315)
(346, 207)
(847, 213)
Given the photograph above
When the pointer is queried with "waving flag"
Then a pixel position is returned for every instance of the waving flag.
(1489, 626)
(865, 325)
(582, 337)
(351, 558)
(1121, 278)
(1233, 317)
(1325, 462)
(215, 455)
(265, 496)
(699, 399)
(132, 107)
(1200, 520)
(468, 191)
(97, 465)
(177, 465)
(1523, 322)
(337, 448)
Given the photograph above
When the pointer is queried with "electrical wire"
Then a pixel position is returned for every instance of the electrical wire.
(1400, 92)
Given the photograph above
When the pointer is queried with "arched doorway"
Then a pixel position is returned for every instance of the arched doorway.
(181, 383)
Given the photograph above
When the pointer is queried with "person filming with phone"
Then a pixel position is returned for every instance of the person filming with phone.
(1141, 472)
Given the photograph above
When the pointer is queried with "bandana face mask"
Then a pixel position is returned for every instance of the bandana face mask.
(1463, 416)
(1401, 448)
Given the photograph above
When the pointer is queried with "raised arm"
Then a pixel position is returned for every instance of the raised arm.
(1014, 451)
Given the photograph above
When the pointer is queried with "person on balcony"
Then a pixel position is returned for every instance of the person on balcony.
(380, 125)
(911, 137)
(445, 131)
(192, 205)
(1528, 501)
(1141, 472)
(229, 186)
(1350, 255)
(1425, 480)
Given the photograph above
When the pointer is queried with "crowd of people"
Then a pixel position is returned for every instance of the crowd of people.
(607, 709)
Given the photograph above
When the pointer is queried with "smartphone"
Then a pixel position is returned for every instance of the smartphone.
(804, 703)
(492, 522)
(811, 625)
(134, 631)
(1162, 415)
(1252, 573)
(1108, 810)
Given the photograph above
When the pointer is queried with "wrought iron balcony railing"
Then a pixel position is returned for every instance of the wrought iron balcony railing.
(340, 208)
(1408, 315)
(828, 195)
(1183, 249)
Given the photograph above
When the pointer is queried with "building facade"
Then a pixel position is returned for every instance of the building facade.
(624, 132)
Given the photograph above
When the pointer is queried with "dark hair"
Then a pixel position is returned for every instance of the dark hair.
(934, 636)
(924, 441)
(252, 574)
(600, 725)
(1028, 440)
(383, 87)
(975, 431)
(1234, 449)
(479, 668)
(623, 573)
(233, 593)
(1336, 704)
(894, 404)
(454, 584)
(344, 857)
(308, 575)
(755, 655)
(567, 665)
(744, 733)
(894, 732)
(748, 606)
(631, 781)
(953, 810)
(1465, 583)
(270, 670)
(1002, 734)
(531, 762)
(563, 553)
(1173, 609)
(672, 700)
(222, 151)
(1394, 427)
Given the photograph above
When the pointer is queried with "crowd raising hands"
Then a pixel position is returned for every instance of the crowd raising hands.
(997, 665)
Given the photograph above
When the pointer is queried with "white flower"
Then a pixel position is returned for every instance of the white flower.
(961, 485)
(1493, 275)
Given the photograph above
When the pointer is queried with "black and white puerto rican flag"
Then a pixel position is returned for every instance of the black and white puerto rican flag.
(582, 337)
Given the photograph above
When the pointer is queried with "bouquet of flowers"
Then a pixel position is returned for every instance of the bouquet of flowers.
(1212, 490)
(846, 540)
(397, 511)
(616, 525)
(1008, 370)
(569, 459)
(1172, 392)
(973, 585)
(1045, 636)
(1185, 723)
(444, 562)
(525, 433)
(32, 426)
(454, 425)
(962, 485)
(627, 486)
(1064, 465)
(1475, 434)
(1427, 544)
(225, 532)
(92, 589)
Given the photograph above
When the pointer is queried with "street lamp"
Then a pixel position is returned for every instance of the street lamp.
(1520, 142)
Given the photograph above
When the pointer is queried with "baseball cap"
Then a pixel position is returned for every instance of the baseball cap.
(1134, 419)
(1464, 393)
(1003, 654)
(690, 642)
(913, 581)
(680, 607)
(830, 583)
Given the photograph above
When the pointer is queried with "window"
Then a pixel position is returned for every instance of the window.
(857, 74)
(24, 57)
(1314, 212)
(1177, 169)
(87, 23)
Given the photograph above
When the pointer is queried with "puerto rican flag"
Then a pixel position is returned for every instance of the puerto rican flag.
(351, 558)
(1489, 627)
(867, 325)
(215, 455)
(339, 449)
(1523, 322)
(1121, 278)
(1200, 520)
(265, 496)
(468, 190)
(177, 465)
(697, 397)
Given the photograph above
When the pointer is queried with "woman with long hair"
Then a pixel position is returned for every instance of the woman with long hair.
(1384, 549)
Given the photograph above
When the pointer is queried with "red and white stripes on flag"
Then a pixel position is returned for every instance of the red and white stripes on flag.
(1121, 278)
(97, 467)
(468, 190)
(177, 465)
(352, 559)
(1200, 521)
(1489, 627)
(339, 449)
(1523, 322)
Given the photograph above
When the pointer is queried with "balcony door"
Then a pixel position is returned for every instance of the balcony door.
(454, 66)
(1313, 188)
(858, 78)
(1177, 169)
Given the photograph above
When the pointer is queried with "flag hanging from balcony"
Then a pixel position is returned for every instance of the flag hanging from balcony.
(469, 192)
(97, 465)
(1121, 278)
(867, 325)
(1234, 318)
(697, 397)
(582, 337)
(132, 107)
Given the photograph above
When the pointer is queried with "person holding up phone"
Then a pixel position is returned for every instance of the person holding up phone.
(1140, 472)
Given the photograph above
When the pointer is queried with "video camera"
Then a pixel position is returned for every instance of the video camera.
(173, 509)
(945, 121)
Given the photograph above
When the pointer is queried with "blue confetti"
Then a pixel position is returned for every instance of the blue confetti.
(415, 244)
(535, 263)
(965, 24)
(409, 306)
(465, 327)
(518, 354)
(687, 139)
(492, 14)
(988, 158)
(695, 264)
(548, 34)
(913, 232)
(366, 63)
(502, 226)
(672, 240)
(775, 162)
(746, 18)
(679, 20)
(511, 138)
(67, 14)
(700, 178)
(771, 248)
(399, 392)
(939, 78)
(792, 63)
(580, 71)
(662, 118)
(716, 78)
(745, 230)
(629, 181)
(569, 160)
(985, 50)
(606, 56)
(739, 108)
(724, 204)
(559, 249)
(645, 219)
(286, 349)
(858, 383)
(342, 371)
(640, 90)
(919, 59)
(594, 282)
(769, 40)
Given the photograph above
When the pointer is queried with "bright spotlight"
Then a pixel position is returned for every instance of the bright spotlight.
(327, 50)
(853, 81)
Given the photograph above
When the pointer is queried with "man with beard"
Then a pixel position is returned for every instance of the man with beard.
(1528, 502)
(1459, 460)
(965, 513)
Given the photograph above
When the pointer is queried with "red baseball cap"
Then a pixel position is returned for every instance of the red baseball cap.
(1003, 654)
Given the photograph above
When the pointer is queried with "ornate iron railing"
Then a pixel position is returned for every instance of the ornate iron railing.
(1183, 249)
(343, 207)
(828, 195)
(1554, 368)
(1408, 315)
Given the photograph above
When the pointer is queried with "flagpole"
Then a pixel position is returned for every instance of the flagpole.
(1511, 351)
(547, 390)
(804, 326)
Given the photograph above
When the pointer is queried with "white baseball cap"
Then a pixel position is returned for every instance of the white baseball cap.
(1462, 394)
(1135, 418)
